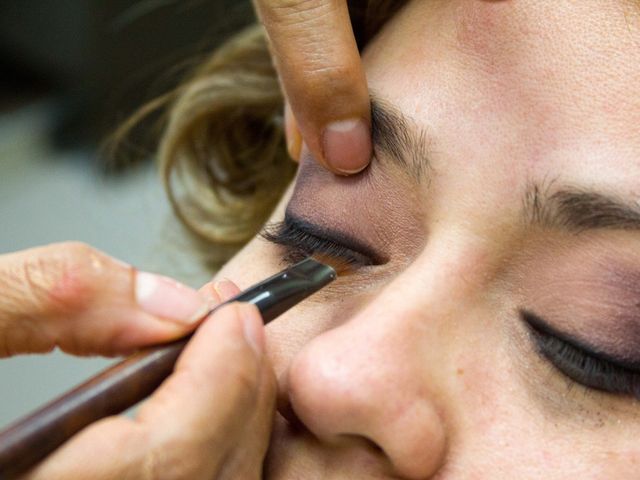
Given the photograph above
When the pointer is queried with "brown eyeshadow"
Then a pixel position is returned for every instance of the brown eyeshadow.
(589, 289)
(375, 206)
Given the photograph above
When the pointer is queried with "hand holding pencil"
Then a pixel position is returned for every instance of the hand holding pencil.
(214, 411)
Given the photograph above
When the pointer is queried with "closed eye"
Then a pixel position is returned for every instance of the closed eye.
(298, 242)
(584, 365)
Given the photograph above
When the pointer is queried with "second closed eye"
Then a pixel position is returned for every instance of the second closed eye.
(586, 365)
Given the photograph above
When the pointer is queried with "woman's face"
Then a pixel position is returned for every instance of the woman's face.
(497, 333)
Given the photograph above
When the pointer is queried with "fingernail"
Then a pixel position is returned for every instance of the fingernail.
(164, 297)
(253, 328)
(347, 146)
(226, 289)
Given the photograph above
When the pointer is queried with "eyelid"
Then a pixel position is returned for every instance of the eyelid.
(584, 365)
(541, 326)
(299, 244)
(335, 237)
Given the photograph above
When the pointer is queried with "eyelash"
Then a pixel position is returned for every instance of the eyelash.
(579, 365)
(298, 244)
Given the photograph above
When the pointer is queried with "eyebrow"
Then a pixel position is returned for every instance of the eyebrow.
(399, 138)
(578, 209)
(569, 208)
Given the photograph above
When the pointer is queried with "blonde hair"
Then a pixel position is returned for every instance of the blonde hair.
(222, 153)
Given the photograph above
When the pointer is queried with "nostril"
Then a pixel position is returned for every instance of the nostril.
(366, 443)
(373, 446)
(284, 407)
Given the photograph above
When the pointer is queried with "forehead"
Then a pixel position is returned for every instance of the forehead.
(514, 91)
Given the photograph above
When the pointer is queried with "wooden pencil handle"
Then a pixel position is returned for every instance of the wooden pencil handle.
(112, 391)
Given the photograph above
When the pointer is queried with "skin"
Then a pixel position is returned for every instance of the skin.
(417, 368)
(78, 299)
(420, 368)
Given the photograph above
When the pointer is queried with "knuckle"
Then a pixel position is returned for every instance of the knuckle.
(298, 12)
(63, 278)
(325, 91)
(321, 77)
(159, 466)
(174, 458)
(153, 464)
(156, 466)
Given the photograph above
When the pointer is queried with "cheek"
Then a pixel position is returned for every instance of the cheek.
(500, 423)
(498, 428)
(480, 386)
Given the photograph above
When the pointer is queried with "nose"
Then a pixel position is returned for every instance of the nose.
(365, 382)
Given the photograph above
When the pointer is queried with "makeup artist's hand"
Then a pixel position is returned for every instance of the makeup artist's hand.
(319, 65)
(210, 419)
(71, 296)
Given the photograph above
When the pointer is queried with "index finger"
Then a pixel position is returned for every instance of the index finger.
(319, 65)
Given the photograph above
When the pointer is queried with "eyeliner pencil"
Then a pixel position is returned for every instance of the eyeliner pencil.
(31, 439)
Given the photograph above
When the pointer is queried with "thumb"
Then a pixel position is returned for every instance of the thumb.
(74, 297)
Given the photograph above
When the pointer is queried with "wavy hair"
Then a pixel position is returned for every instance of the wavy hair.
(222, 153)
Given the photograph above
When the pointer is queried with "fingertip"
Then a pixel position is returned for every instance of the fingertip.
(231, 333)
(240, 320)
(209, 292)
(166, 298)
(347, 146)
(226, 289)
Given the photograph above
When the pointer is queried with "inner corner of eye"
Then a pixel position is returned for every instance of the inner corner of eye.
(532, 319)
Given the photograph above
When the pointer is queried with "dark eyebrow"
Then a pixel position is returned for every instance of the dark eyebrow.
(578, 209)
(568, 208)
(399, 137)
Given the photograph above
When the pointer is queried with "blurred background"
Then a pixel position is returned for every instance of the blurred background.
(71, 71)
